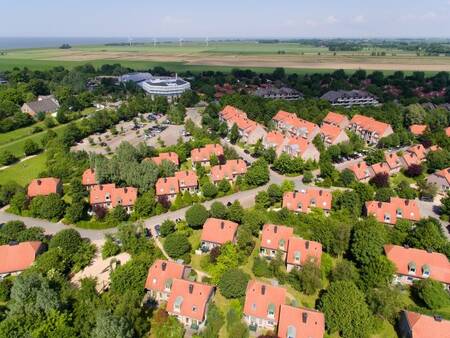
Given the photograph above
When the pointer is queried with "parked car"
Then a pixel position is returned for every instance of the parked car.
(157, 230)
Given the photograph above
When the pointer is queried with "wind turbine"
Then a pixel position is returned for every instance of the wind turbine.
(207, 42)
(181, 42)
(154, 42)
(130, 41)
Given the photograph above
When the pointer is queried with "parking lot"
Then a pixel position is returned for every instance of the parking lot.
(154, 131)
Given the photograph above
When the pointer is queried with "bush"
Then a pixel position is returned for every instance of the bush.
(30, 147)
(209, 190)
(414, 170)
(110, 248)
(261, 268)
(167, 227)
(218, 210)
(50, 207)
(176, 245)
(117, 215)
(69, 240)
(307, 177)
(431, 293)
(7, 158)
(380, 180)
(196, 215)
(233, 283)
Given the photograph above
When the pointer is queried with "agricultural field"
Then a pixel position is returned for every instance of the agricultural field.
(196, 56)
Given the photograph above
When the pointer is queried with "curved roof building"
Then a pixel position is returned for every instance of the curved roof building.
(165, 86)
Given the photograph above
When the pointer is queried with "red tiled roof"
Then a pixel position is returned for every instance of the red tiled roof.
(307, 198)
(392, 160)
(192, 297)
(162, 273)
(410, 159)
(88, 177)
(167, 186)
(330, 132)
(103, 193)
(273, 234)
(334, 118)
(423, 326)
(447, 131)
(275, 139)
(218, 231)
(303, 322)
(380, 168)
(259, 297)
(444, 173)
(361, 170)
(418, 150)
(298, 145)
(236, 116)
(305, 249)
(171, 157)
(186, 178)
(370, 124)
(18, 257)
(43, 186)
(204, 154)
(294, 121)
(230, 112)
(437, 263)
(228, 170)
(418, 129)
(409, 210)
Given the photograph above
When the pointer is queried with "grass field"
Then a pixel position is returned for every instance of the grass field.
(23, 172)
(223, 56)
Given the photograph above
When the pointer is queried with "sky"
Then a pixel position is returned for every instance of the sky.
(230, 18)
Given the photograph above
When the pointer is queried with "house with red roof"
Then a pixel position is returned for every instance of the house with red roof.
(300, 251)
(17, 257)
(262, 305)
(249, 130)
(418, 150)
(394, 162)
(275, 139)
(290, 123)
(275, 239)
(306, 199)
(170, 156)
(396, 208)
(361, 171)
(160, 278)
(410, 158)
(332, 135)
(167, 188)
(417, 325)
(217, 232)
(369, 129)
(415, 264)
(228, 171)
(203, 155)
(109, 196)
(89, 179)
(380, 168)
(335, 119)
(300, 322)
(298, 146)
(418, 129)
(188, 302)
(44, 187)
(441, 179)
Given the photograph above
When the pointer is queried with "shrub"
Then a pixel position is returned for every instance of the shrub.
(218, 210)
(7, 158)
(50, 207)
(233, 283)
(209, 190)
(167, 227)
(261, 268)
(431, 293)
(196, 215)
(176, 245)
(414, 170)
(30, 147)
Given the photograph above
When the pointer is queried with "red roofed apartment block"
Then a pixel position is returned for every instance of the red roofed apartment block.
(335, 119)
(17, 257)
(290, 123)
(168, 188)
(217, 232)
(301, 251)
(44, 187)
(228, 171)
(262, 304)
(300, 323)
(380, 168)
(418, 129)
(160, 278)
(305, 199)
(362, 171)
(300, 147)
(108, 196)
(276, 140)
(188, 302)
(275, 238)
(202, 155)
(88, 179)
(441, 179)
(397, 208)
(394, 162)
(414, 264)
(332, 135)
(369, 129)
(171, 157)
(417, 325)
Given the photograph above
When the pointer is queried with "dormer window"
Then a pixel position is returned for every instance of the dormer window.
(399, 213)
(387, 218)
(177, 304)
(313, 202)
(412, 268)
(297, 256)
(271, 311)
(425, 271)
(168, 285)
(291, 332)
(299, 205)
(281, 244)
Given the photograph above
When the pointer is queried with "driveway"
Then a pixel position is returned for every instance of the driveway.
(431, 209)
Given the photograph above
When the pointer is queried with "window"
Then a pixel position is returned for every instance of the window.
(291, 332)
(412, 267)
(281, 243)
(271, 310)
(313, 202)
(426, 271)
(387, 217)
(297, 256)
(177, 304)
(399, 213)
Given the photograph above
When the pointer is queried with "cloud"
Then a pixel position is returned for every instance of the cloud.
(360, 19)
(331, 19)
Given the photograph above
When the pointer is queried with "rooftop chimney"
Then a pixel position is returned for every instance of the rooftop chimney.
(263, 290)
(125, 190)
(320, 192)
(275, 229)
(165, 179)
(406, 202)
(307, 245)
(304, 317)
(222, 224)
(380, 204)
(438, 318)
(39, 182)
(191, 288)
(163, 266)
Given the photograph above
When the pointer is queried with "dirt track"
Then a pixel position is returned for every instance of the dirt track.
(406, 63)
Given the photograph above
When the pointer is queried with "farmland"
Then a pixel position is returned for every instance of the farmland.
(195, 56)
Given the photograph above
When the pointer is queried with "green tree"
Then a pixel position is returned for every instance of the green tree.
(431, 293)
(275, 193)
(167, 227)
(386, 302)
(218, 210)
(209, 190)
(258, 173)
(76, 212)
(69, 240)
(308, 279)
(145, 204)
(110, 248)
(176, 245)
(236, 212)
(347, 177)
(228, 259)
(117, 214)
(50, 207)
(30, 147)
(377, 273)
(345, 310)
(7, 158)
(196, 216)
(367, 241)
(224, 186)
(233, 283)
(110, 326)
(262, 200)
(307, 177)
(234, 134)
(344, 270)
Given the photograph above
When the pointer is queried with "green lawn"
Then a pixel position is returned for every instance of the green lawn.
(25, 171)
(18, 133)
